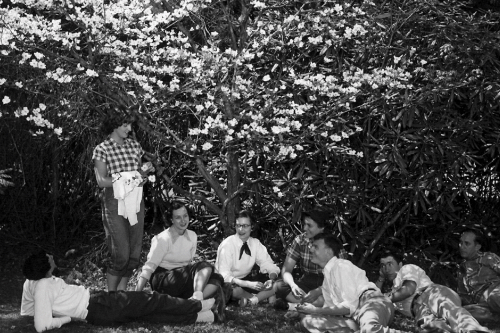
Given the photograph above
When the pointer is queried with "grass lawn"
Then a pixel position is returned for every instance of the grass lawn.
(262, 319)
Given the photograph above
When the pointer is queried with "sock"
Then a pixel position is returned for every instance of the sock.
(197, 295)
(205, 316)
(207, 304)
(253, 300)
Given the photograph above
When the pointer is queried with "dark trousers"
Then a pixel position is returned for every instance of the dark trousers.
(124, 241)
(119, 307)
(307, 283)
(255, 276)
(179, 282)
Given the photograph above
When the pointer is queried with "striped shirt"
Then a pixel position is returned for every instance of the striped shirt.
(119, 158)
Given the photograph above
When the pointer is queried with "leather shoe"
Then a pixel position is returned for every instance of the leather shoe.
(281, 304)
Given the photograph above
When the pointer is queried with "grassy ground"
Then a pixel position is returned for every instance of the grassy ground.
(248, 320)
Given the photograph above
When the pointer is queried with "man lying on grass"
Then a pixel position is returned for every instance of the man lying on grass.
(54, 303)
(433, 306)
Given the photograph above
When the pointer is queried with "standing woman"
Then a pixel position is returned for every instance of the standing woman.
(117, 163)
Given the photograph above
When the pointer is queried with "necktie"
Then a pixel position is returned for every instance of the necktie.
(246, 249)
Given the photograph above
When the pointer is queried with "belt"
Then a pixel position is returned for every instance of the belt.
(364, 292)
(417, 295)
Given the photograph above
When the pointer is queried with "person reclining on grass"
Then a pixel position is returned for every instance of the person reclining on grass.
(352, 303)
(433, 306)
(54, 303)
(479, 277)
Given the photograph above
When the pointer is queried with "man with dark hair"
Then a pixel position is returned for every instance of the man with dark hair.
(433, 306)
(351, 302)
(479, 276)
(169, 267)
(237, 255)
(54, 303)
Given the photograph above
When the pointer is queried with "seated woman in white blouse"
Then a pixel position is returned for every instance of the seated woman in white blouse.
(170, 269)
(237, 255)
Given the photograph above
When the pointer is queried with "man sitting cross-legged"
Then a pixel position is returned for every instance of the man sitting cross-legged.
(352, 302)
(54, 303)
(432, 305)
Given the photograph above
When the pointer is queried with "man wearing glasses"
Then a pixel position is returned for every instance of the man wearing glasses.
(237, 255)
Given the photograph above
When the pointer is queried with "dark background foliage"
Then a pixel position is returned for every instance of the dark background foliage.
(429, 167)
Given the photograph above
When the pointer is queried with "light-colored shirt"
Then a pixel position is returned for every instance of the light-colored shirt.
(343, 284)
(410, 273)
(229, 264)
(53, 303)
(166, 253)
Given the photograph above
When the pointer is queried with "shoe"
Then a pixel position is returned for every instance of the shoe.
(219, 307)
(228, 291)
(292, 315)
(243, 302)
(281, 304)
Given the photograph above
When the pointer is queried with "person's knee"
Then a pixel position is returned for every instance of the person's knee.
(494, 302)
(305, 324)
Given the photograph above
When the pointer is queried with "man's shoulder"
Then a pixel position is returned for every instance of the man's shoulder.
(489, 257)
(411, 267)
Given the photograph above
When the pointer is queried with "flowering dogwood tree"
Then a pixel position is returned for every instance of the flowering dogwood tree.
(285, 105)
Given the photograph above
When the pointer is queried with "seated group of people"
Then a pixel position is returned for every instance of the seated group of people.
(332, 294)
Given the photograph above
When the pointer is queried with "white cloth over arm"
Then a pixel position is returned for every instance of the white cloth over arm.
(129, 195)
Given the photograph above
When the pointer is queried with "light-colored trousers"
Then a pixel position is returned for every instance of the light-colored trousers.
(439, 306)
(374, 314)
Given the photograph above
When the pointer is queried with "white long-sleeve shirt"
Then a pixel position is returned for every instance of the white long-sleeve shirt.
(412, 273)
(166, 253)
(53, 303)
(228, 262)
(343, 284)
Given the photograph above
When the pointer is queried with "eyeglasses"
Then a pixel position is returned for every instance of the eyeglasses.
(244, 226)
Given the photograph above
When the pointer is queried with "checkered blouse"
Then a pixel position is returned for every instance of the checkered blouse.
(300, 252)
(119, 158)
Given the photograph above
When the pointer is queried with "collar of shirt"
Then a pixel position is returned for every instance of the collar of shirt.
(111, 141)
(185, 234)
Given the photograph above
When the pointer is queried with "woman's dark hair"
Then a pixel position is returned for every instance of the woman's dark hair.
(245, 213)
(113, 121)
(36, 266)
(319, 217)
(176, 204)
